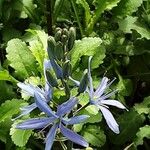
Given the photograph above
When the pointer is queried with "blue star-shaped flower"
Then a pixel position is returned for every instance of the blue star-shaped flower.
(58, 120)
(101, 100)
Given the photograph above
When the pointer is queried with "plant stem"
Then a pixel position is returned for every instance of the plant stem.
(49, 16)
(76, 14)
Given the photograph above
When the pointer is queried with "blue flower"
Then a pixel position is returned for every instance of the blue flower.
(29, 89)
(101, 100)
(58, 120)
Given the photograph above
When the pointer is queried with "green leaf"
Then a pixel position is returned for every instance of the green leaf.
(86, 7)
(27, 9)
(130, 23)
(143, 107)
(129, 124)
(94, 135)
(21, 58)
(4, 130)
(88, 47)
(9, 108)
(127, 7)
(141, 134)
(125, 87)
(19, 137)
(4, 75)
(101, 6)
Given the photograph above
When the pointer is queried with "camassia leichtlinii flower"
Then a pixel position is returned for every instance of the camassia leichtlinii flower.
(55, 121)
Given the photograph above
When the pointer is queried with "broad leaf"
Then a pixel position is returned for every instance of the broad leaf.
(143, 107)
(88, 47)
(19, 137)
(129, 124)
(9, 108)
(4, 75)
(21, 58)
(94, 135)
(144, 132)
(130, 23)
(127, 7)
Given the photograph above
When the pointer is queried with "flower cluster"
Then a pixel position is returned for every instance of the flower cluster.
(59, 119)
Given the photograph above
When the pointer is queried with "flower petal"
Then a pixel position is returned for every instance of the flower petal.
(75, 120)
(91, 90)
(73, 136)
(35, 123)
(101, 88)
(113, 103)
(48, 92)
(111, 122)
(42, 105)
(28, 88)
(66, 106)
(26, 110)
(50, 137)
(108, 95)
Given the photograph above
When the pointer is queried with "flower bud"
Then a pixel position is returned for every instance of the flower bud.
(51, 46)
(83, 82)
(51, 79)
(66, 69)
(72, 37)
(58, 35)
(59, 53)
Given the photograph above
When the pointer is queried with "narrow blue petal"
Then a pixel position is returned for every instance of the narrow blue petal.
(111, 122)
(57, 69)
(72, 136)
(101, 88)
(42, 105)
(103, 97)
(50, 137)
(75, 120)
(48, 92)
(27, 88)
(91, 89)
(26, 110)
(67, 106)
(36, 123)
(113, 103)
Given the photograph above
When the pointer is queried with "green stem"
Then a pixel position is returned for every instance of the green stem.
(76, 14)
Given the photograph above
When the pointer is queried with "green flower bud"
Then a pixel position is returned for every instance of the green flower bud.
(58, 35)
(59, 53)
(83, 82)
(51, 46)
(51, 79)
(72, 37)
(66, 69)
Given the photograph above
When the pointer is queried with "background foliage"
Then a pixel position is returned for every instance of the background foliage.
(115, 32)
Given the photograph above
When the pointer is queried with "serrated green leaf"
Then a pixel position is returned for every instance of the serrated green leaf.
(21, 58)
(101, 6)
(4, 75)
(127, 7)
(129, 124)
(19, 137)
(143, 132)
(94, 135)
(130, 23)
(88, 47)
(27, 9)
(125, 87)
(143, 107)
(4, 130)
(86, 7)
(9, 108)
